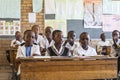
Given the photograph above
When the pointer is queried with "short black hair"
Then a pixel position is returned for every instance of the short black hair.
(17, 32)
(115, 31)
(54, 33)
(102, 34)
(26, 32)
(35, 26)
(82, 34)
(69, 33)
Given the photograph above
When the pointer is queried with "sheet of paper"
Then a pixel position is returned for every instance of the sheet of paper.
(60, 9)
(10, 8)
(69, 9)
(111, 22)
(32, 17)
(74, 9)
(111, 7)
(49, 6)
(93, 14)
(57, 25)
(41, 57)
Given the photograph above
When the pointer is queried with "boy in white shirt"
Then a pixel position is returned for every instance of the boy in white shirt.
(70, 42)
(18, 40)
(102, 44)
(84, 49)
(38, 38)
(47, 41)
(28, 48)
(115, 43)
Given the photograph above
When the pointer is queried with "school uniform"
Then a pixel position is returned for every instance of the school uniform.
(16, 42)
(24, 51)
(116, 49)
(75, 45)
(39, 39)
(45, 43)
(52, 51)
(117, 43)
(101, 44)
(81, 52)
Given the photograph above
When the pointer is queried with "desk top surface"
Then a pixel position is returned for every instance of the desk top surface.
(70, 58)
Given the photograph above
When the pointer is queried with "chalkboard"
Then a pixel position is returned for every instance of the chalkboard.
(78, 27)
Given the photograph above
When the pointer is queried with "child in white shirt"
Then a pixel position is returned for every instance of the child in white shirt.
(84, 49)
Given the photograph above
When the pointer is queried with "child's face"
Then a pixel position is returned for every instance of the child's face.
(115, 35)
(30, 37)
(58, 38)
(73, 36)
(36, 30)
(103, 37)
(18, 36)
(84, 40)
(48, 32)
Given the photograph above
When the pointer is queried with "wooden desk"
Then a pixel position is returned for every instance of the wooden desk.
(68, 69)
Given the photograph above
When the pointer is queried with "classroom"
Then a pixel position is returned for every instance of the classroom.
(59, 39)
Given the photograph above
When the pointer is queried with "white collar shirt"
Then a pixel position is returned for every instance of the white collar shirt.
(81, 52)
(45, 43)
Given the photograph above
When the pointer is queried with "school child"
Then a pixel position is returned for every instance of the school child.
(38, 38)
(58, 49)
(115, 50)
(18, 40)
(84, 49)
(47, 41)
(102, 44)
(70, 42)
(28, 48)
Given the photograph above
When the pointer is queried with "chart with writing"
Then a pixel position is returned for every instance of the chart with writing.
(9, 27)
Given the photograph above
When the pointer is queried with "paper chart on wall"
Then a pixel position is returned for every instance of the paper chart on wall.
(9, 27)
(111, 7)
(57, 25)
(49, 6)
(74, 9)
(69, 9)
(93, 14)
(32, 17)
(60, 9)
(111, 22)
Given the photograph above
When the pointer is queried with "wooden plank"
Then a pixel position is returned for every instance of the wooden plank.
(68, 75)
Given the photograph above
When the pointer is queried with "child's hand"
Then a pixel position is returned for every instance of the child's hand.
(14, 42)
(68, 40)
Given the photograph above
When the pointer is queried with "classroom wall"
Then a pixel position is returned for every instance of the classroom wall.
(26, 7)
(78, 27)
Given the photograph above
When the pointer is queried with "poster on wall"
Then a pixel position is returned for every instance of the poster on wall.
(69, 9)
(9, 27)
(111, 7)
(111, 22)
(49, 6)
(92, 13)
(32, 17)
(57, 25)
